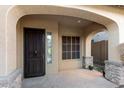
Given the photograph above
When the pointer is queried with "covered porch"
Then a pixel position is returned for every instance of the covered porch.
(71, 29)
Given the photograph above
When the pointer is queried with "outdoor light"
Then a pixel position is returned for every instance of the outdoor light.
(79, 21)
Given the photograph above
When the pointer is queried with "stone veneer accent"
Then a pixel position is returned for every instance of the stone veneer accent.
(87, 61)
(13, 80)
(114, 71)
(121, 51)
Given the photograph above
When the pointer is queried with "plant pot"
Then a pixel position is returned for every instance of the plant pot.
(90, 67)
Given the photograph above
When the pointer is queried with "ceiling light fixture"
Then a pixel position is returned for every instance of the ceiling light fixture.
(79, 21)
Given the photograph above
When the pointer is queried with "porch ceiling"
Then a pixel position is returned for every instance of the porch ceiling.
(66, 20)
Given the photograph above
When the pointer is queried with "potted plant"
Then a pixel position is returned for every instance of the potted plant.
(90, 67)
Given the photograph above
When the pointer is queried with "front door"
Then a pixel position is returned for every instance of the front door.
(34, 52)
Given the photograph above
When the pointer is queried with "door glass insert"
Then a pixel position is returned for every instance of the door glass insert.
(49, 47)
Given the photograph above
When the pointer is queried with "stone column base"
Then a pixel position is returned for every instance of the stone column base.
(13, 80)
(114, 72)
(87, 61)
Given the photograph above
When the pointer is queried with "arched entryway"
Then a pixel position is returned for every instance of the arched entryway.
(68, 35)
(14, 13)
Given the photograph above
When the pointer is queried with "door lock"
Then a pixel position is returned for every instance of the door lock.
(35, 52)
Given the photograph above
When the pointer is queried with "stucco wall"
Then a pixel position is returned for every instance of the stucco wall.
(71, 63)
(3, 63)
(90, 31)
(11, 55)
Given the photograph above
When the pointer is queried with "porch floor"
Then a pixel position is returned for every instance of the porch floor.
(79, 78)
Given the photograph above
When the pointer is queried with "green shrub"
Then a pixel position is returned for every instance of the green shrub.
(90, 67)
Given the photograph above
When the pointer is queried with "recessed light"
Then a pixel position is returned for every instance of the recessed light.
(79, 21)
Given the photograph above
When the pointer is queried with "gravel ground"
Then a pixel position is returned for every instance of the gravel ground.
(80, 78)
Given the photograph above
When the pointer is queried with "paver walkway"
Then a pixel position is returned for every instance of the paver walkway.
(80, 78)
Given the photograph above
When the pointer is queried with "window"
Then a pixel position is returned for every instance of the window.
(49, 47)
(70, 47)
(75, 47)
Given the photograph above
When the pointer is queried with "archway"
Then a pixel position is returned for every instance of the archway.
(14, 13)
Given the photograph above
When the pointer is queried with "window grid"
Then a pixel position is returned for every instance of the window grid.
(70, 47)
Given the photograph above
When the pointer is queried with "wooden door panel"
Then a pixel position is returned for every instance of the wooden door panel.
(34, 50)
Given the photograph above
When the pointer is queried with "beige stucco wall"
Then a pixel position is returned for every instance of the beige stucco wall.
(90, 31)
(65, 30)
(11, 55)
(3, 60)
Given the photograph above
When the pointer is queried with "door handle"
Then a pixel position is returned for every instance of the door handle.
(35, 51)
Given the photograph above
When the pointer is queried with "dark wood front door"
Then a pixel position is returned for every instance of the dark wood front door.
(34, 52)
